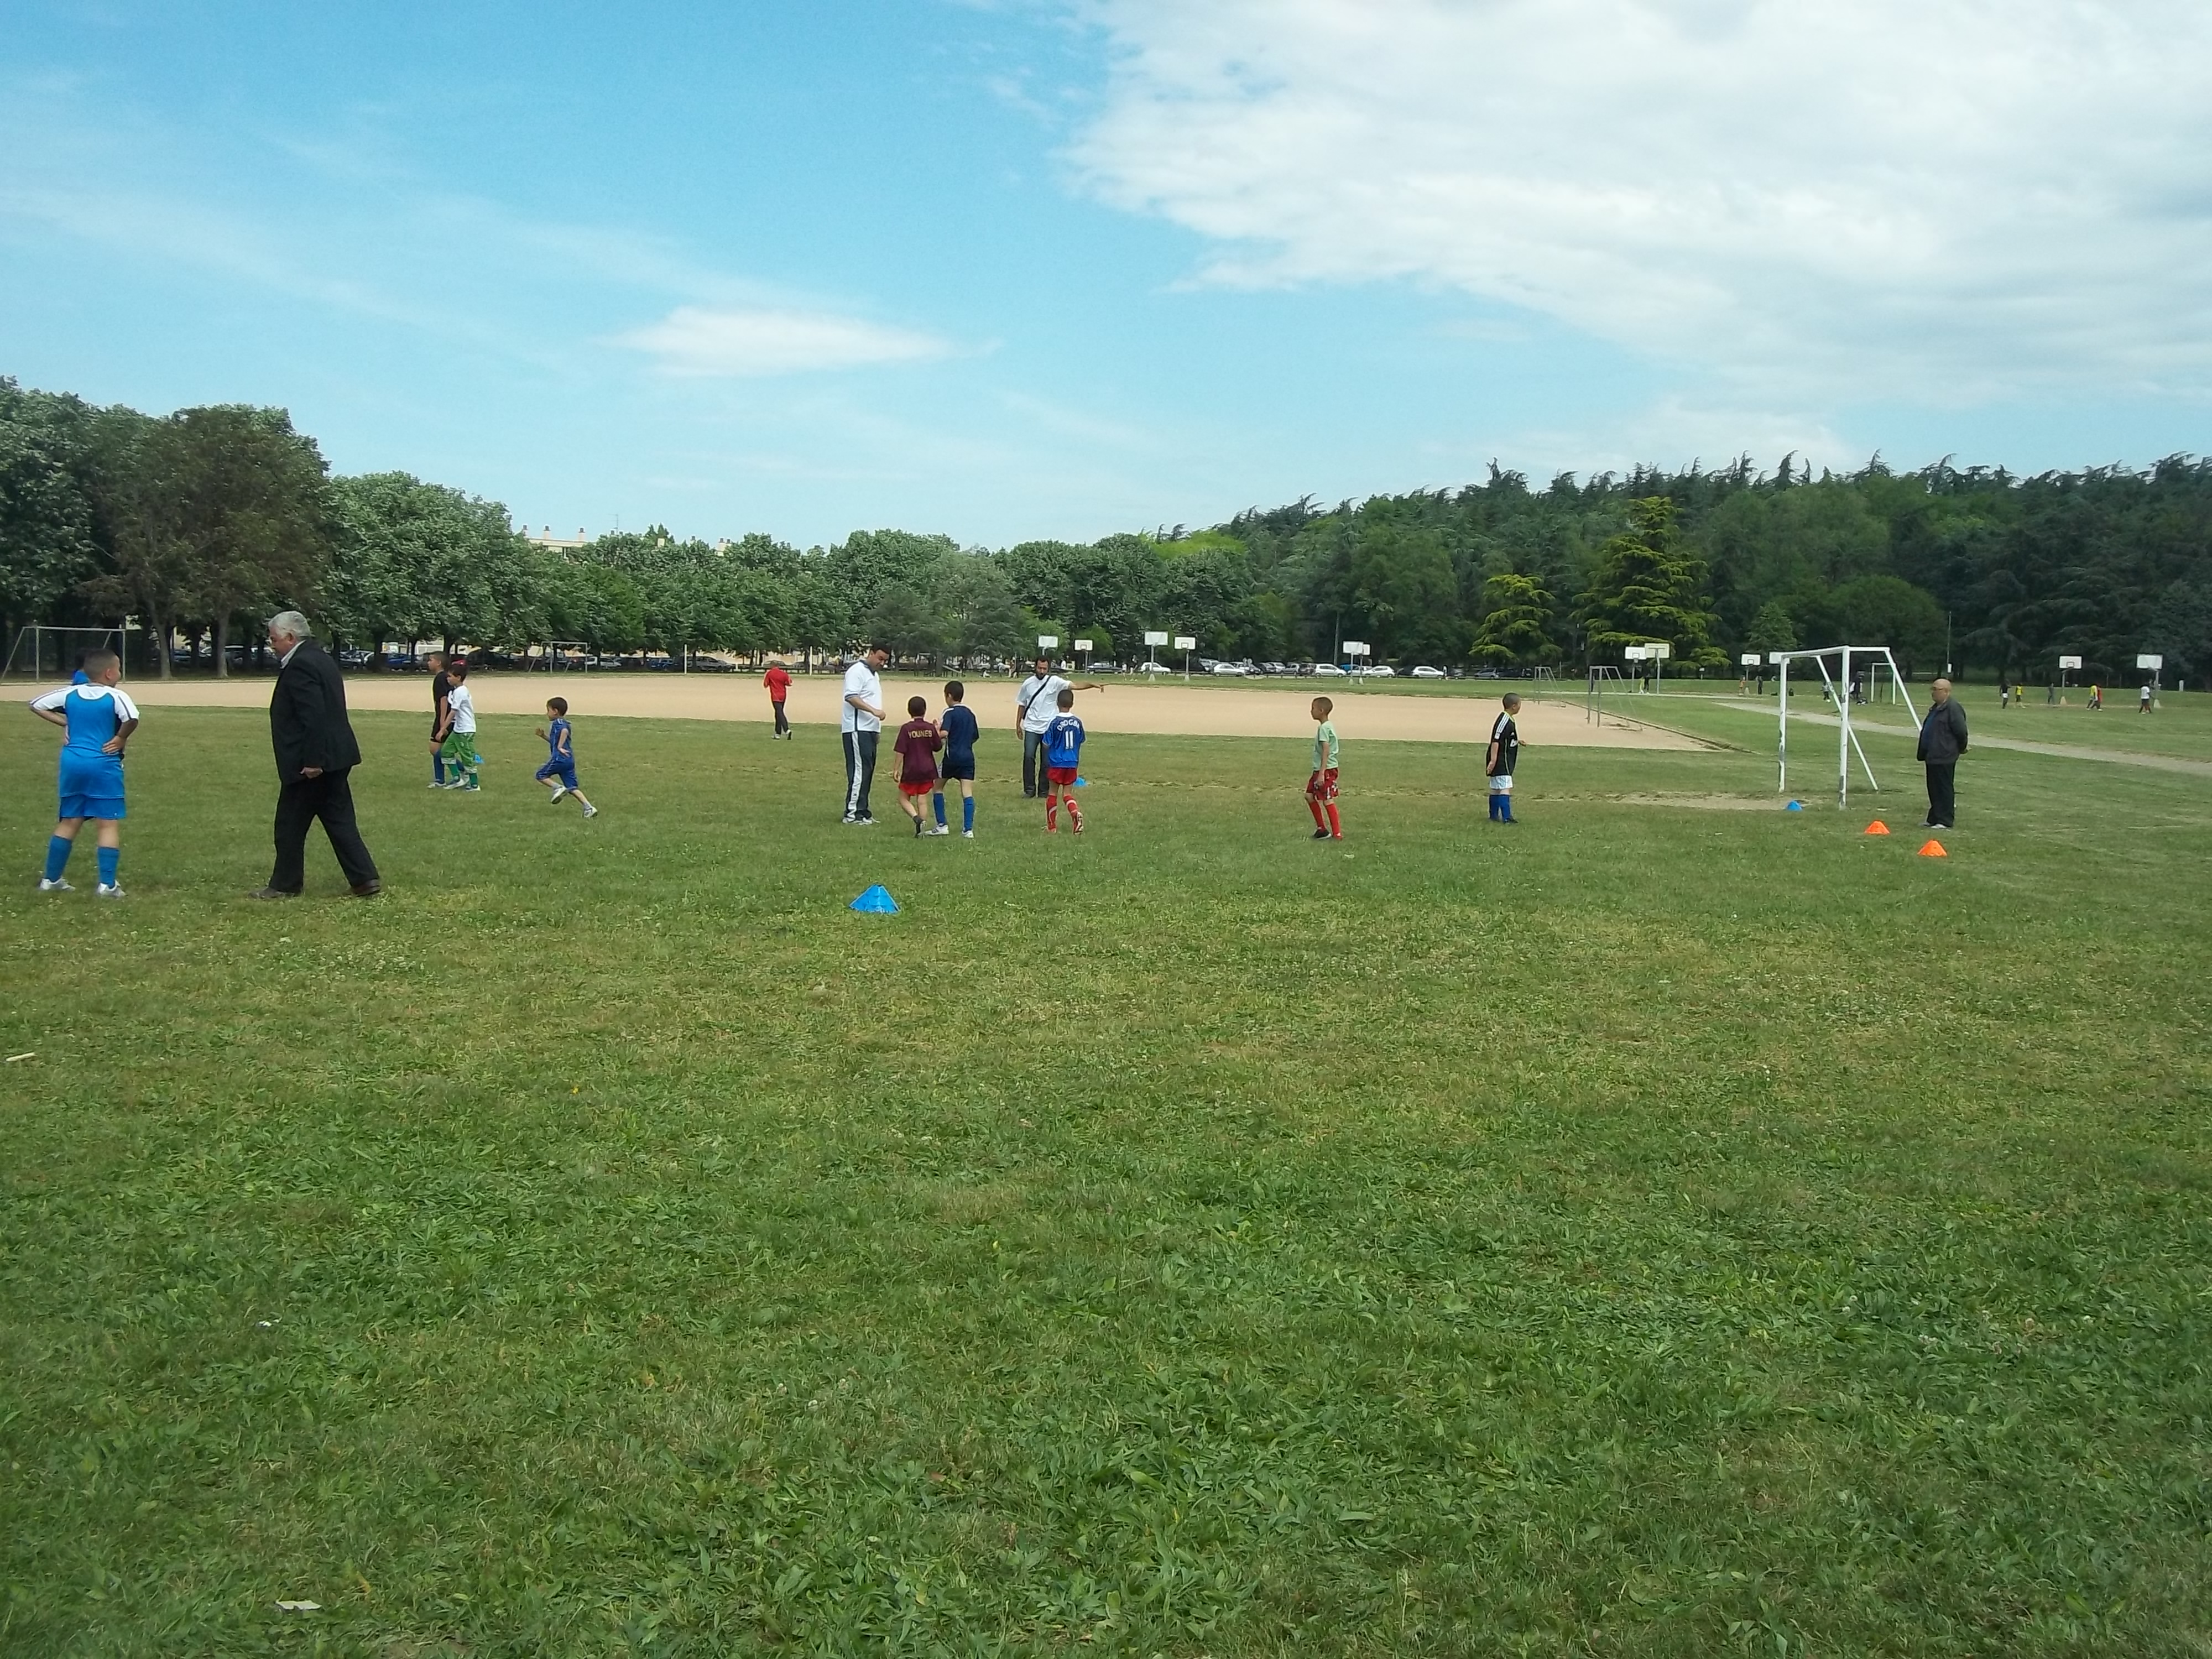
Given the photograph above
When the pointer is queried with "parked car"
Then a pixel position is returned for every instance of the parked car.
(1237, 668)
(1490, 673)
(1328, 670)
(1381, 671)
(705, 665)
(1426, 672)
(1154, 668)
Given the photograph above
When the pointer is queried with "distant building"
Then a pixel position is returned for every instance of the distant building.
(545, 537)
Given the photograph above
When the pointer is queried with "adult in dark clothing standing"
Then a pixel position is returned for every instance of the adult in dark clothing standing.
(1943, 740)
(315, 754)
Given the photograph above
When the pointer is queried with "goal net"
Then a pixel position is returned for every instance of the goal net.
(40, 652)
(1848, 674)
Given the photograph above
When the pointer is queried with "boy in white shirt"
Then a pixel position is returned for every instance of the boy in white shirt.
(457, 730)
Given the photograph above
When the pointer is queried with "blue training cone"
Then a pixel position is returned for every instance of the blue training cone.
(875, 902)
(1083, 783)
(1795, 806)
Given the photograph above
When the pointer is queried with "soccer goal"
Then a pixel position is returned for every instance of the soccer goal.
(1869, 666)
(1601, 674)
(40, 652)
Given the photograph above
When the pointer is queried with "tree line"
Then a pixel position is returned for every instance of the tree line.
(196, 523)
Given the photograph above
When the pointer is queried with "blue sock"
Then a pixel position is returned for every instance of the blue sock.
(57, 852)
(438, 768)
(937, 801)
(1505, 809)
(109, 857)
(1494, 809)
(968, 811)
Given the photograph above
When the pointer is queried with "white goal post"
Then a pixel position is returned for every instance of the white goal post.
(1872, 659)
(27, 654)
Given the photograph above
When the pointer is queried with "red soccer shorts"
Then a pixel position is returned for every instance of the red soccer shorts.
(926, 787)
(1322, 785)
(1062, 775)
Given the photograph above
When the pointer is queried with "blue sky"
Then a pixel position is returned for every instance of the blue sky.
(1056, 270)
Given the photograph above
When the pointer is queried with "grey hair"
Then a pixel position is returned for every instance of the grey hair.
(291, 623)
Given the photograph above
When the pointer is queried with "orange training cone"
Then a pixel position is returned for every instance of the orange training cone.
(1934, 849)
(1877, 828)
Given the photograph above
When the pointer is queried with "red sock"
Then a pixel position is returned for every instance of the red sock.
(1335, 828)
(1051, 813)
(1075, 815)
(1313, 806)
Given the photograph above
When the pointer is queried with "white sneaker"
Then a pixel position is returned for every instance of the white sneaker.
(942, 829)
(559, 790)
(591, 812)
(57, 886)
(109, 889)
(969, 834)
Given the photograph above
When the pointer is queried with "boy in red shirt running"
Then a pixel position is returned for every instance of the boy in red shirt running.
(777, 681)
(919, 740)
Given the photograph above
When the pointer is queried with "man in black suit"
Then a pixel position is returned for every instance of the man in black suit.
(315, 752)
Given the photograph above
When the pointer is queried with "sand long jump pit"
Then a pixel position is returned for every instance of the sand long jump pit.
(1193, 711)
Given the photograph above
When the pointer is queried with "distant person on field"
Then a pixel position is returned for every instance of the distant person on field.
(1036, 700)
(316, 752)
(560, 768)
(777, 681)
(919, 740)
(861, 730)
(1320, 786)
(2004, 696)
(1063, 764)
(961, 730)
(2096, 696)
(441, 683)
(99, 719)
(1499, 757)
(1943, 740)
(2142, 704)
(457, 730)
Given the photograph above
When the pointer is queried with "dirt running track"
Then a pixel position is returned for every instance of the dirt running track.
(1168, 710)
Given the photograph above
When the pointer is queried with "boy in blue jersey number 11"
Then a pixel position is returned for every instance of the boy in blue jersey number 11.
(99, 719)
(560, 768)
(1063, 760)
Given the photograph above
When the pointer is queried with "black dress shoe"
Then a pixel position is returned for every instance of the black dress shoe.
(270, 893)
(368, 890)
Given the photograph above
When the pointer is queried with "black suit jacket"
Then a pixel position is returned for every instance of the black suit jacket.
(308, 722)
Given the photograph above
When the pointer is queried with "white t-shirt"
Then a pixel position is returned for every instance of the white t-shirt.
(465, 709)
(1039, 697)
(860, 681)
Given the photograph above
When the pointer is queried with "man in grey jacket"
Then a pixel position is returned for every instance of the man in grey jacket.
(1943, 740)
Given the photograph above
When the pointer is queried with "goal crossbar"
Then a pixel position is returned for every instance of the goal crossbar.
(34, 634)
(1875, 658)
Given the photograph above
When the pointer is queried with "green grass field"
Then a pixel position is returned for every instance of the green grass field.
(1647, 1230)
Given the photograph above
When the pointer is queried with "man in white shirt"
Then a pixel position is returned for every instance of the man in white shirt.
(862, 726)
(1036, 700)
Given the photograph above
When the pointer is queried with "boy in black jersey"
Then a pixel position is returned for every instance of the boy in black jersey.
(1500, 759)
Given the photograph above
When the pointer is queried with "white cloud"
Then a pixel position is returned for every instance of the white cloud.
(1932, 200)
(698, 340)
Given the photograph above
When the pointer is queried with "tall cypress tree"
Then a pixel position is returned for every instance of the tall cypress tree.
(1647, 588)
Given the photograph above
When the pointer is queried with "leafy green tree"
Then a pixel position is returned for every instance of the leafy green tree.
(975, 602)
(905, 623)
(1647, 588)
(1771, 630)
(1517, 623)
(1890, 611)
(416, 561)
(48, 544)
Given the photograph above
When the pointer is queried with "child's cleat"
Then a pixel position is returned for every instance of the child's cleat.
(1320, 834)
(57, 886)
(591, 812)
(472, 785)
(559, 790)
(109, 889)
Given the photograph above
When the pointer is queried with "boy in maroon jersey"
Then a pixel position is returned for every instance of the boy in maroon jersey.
(919, 740)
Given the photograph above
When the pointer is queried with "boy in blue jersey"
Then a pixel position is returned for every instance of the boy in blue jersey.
(560, 768)
(1063, 759)
(961, 732)
(99, 719)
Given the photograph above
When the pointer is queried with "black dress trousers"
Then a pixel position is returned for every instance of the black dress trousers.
(299, 804)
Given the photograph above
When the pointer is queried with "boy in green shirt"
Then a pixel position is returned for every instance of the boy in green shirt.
(1320, 787)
